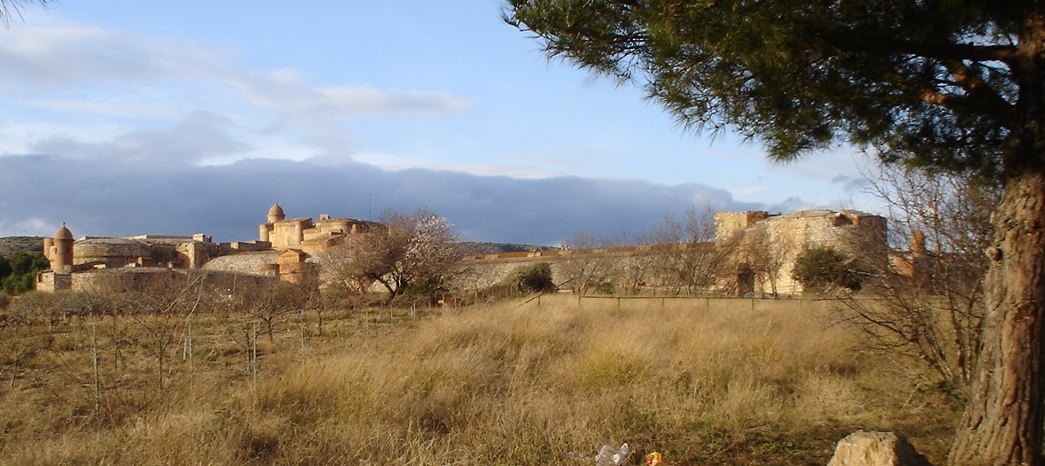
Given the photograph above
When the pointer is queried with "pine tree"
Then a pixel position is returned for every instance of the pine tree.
(952, 85)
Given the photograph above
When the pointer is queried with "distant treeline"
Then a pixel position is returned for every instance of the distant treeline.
(18, 271)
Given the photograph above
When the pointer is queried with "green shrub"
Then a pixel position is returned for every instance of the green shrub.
(18, 271)
(822, 268)
(533, 278)
(608, 288)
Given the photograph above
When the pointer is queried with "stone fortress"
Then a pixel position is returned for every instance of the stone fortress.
(307, 235)
(761, 250)
(282, 252)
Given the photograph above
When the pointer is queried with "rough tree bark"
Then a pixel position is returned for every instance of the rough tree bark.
(1003, 421)
(1002, 424)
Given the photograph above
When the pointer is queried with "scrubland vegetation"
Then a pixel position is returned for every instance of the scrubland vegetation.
(537, 383)
(18, 271)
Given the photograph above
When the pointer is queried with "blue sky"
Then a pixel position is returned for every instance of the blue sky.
(131, 117)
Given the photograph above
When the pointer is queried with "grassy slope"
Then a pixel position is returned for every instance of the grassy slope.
(490, 385)
(12, 244)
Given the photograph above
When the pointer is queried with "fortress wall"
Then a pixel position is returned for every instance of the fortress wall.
(224, 281)
(51, 282)
(113, 252)
(325, 228)
(126, 279)
(728, 224)
(788, 238)
(240, 246)
(144, 279)
(247, 262)
(768, 246)
(847, 232)
(482, 275)
(491, 269)
(289, 233)
(191, 255)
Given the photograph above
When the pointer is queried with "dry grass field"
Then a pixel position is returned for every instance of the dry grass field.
(504, 384)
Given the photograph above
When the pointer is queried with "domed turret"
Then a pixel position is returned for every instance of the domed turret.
(63, 233)
(62, 260)
(276, 213)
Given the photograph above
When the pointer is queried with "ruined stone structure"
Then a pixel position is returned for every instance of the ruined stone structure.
(762, 248)
(915, 263)
(755, 251)
(283, 252)
(486, 270)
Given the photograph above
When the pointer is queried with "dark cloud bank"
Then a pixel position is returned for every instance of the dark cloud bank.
(228, 202)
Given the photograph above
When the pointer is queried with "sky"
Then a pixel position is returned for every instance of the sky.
(125, 117)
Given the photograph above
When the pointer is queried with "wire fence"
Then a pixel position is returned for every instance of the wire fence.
(696, 303)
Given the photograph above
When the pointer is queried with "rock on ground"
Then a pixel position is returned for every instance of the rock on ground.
(876, 449)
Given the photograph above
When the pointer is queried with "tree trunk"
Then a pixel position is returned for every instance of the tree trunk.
(1002, 424)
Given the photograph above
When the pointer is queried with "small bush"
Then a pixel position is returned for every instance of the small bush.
(18, 271)
(607, 288)
(823, 268)
(533, 278)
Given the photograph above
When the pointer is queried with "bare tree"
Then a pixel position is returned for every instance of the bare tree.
(269, 304)
(684, 258)
(758, 257)
(162, 310)
(586, 267)
(931, 291)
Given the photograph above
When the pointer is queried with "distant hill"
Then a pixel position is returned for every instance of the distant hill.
(471, 248)
(12, 244)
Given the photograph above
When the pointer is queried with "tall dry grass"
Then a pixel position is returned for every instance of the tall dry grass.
(506, 384)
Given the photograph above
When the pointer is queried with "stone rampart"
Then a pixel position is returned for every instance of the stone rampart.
(151, 279)
(756, 251)
(486, 270)
(764, 248)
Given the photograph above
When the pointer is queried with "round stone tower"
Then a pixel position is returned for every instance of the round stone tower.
(62, 260)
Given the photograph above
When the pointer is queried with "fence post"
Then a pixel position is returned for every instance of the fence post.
(94, 361)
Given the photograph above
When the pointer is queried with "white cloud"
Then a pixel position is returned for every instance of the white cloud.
(32, 226)
(150, 91)
(65, 56)
(114, 109)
